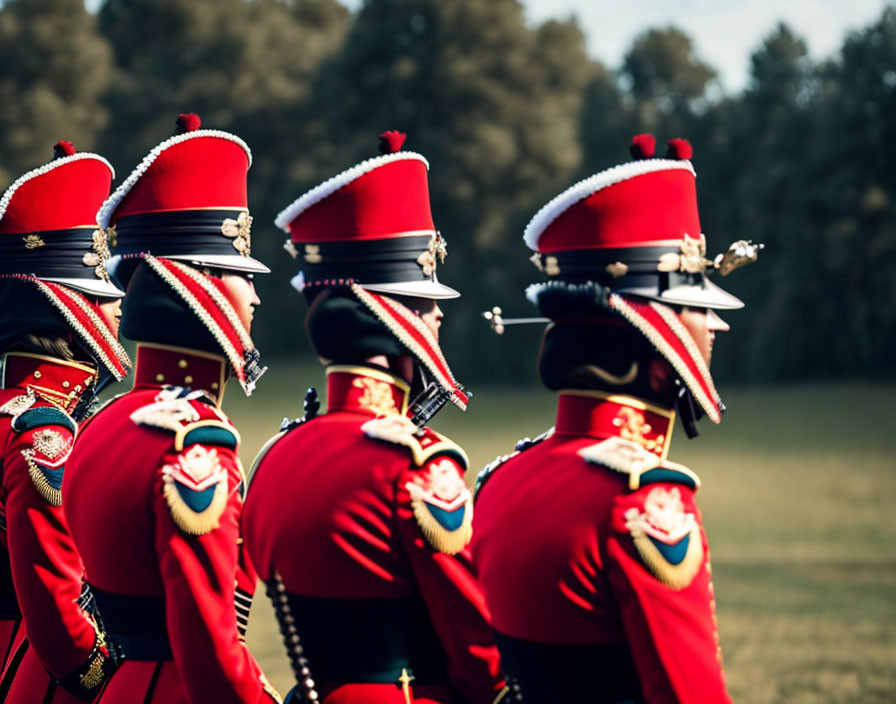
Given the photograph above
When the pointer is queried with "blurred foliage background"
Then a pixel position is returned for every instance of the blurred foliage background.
(508, 114)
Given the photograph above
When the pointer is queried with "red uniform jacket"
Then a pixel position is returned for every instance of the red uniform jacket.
(37, 435)
(595, 565)
(153, 498)
(359, 525)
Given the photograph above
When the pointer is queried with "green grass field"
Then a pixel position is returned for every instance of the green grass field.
(799, 484)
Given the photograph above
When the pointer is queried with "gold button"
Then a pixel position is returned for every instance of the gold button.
(37, 375)
(66, 384)
(182, 364)
(160, 377)
(214, 386)
(188, 379)
(77, 387)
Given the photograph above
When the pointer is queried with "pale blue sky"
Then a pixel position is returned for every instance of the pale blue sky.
(725, 32)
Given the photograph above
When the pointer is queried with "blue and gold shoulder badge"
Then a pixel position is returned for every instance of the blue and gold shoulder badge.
(667, 537)
(521, 446)
(195, 488)
(52, 434)
(195, 484)
(442, 505)
(441, 502)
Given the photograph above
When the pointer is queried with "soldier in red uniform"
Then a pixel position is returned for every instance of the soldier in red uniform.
(588, 540)
(58, 336)
(358, 520)
(153, 492)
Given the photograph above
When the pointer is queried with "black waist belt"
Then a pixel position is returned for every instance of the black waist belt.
(365, 640)
(573, 674)
(134, 625)
(9, 604)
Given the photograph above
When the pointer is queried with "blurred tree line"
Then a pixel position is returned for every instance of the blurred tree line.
(508, 114)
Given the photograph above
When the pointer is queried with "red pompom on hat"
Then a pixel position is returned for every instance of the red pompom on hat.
(187, 200)
(643, 146)
(187, 122)
(391, 141)
(62, 148)
(679, 149)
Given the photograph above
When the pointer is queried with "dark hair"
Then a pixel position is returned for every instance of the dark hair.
(603, 353)
(343, 331)
(153, 312)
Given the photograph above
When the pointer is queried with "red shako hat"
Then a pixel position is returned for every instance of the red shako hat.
(370, 224)
(628, 240)
(187, 200)
(635, 228)
(48, 225)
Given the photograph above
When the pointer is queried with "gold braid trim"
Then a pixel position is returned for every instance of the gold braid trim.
(619, 304)
(445, 541)
(235, 359)
(405, 338)
(49, 493)
(674, 322)
(188, 520)
(220, 300)
(103, 329)
(677, 576)
(82, 331)
(94, 676)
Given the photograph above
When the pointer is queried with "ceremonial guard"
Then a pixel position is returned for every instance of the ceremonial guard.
(588, 540)
(153, 492)
(358, 520)
(59, 346)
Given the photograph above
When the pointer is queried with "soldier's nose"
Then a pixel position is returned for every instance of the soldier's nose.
(715, 323)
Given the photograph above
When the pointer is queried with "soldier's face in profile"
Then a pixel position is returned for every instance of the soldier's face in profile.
(240, 291)
(110, 312)
(427, 309)
(703, 324)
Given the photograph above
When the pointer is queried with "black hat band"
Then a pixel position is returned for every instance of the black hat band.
(181, 233)
(51, 254)
(619, 268)
(386, 261)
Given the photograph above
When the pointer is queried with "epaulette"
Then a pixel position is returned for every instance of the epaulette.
(521, 446)
(195, 483)
(190, 415)
(53, 434)
(440, 500)
(642, 467)
(423, 443)
(17, 404)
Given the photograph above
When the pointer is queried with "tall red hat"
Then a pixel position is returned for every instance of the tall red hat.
(635, 228)
(50, 240)
(628, 240)
(372, 224)
(370, 230)
(48, 225)
(187, 200)
(182, 209)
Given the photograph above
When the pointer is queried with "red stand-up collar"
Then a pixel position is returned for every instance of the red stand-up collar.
(165, 365)
(55, 380)
(365, 390)
(601, 415)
